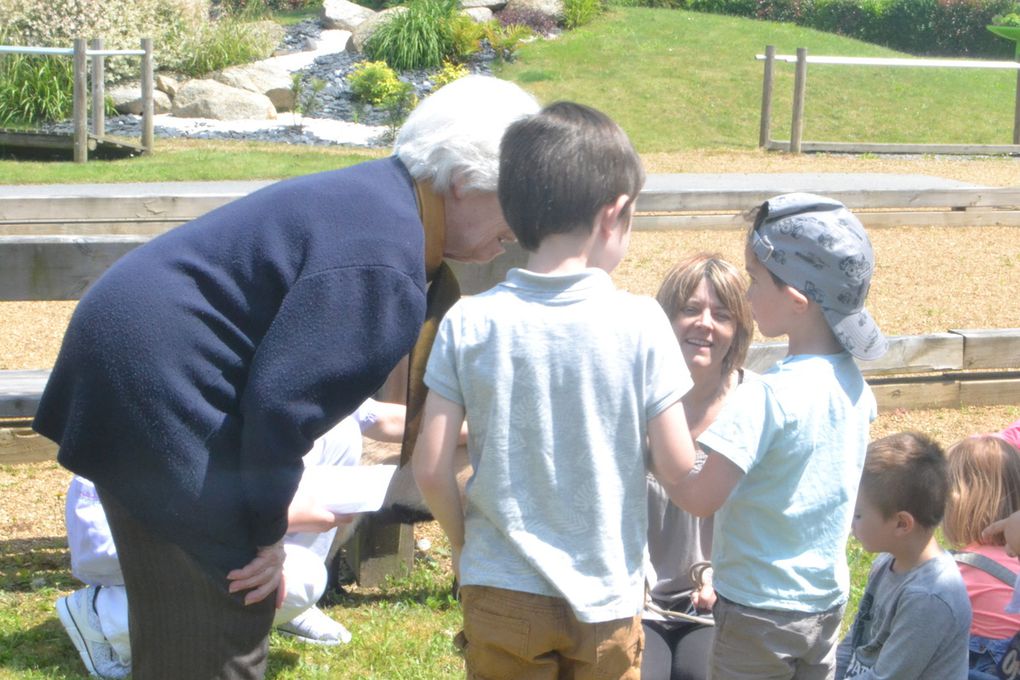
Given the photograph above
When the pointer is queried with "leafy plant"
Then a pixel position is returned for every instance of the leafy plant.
(580, 12)
(519, 15)
(306, 102)
(466, 34)
(420, 37)
(1011, 19)
(505, 40)
(34, 88)
(225, 42)
(449, 73)
(374, 82)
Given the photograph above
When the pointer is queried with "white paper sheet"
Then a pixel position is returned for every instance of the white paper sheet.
(348, 489)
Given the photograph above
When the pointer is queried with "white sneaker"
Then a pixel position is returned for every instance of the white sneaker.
(313, 626)
(77, 613)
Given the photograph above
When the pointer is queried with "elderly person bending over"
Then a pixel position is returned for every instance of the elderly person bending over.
(201, 367)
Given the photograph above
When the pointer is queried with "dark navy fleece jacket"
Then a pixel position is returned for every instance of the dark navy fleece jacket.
(200, 368)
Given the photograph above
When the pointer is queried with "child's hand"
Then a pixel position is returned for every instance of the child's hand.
(703, 596)
(1009, 528)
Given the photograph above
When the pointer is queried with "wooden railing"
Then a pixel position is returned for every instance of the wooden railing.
(80, 90)
(801, 60)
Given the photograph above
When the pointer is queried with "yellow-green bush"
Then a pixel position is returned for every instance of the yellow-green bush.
(374, 82)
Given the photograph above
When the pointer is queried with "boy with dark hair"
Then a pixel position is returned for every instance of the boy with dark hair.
(914, 617)
(566, 383)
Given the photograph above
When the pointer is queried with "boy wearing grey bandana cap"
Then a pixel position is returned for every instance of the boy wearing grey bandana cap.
(786, 452)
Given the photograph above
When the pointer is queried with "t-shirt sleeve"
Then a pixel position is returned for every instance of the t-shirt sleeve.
(333, 341)
(667, 375)
(441, 374)
(745, 426)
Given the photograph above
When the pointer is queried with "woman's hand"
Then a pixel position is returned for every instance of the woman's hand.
(306, 513)
(1009, 528)
(261, 576)
(703, 596)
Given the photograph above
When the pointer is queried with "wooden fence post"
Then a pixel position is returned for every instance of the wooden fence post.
(766, 96)
(1016, 111)
(80, 103)
(799, 87)
(98, 98)
(147, 87)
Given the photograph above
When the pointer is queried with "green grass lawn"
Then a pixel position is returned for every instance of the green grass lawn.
(678, 80)
(675, 81)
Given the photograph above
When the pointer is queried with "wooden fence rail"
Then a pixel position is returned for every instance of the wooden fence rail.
(801, 60)
(80, 55)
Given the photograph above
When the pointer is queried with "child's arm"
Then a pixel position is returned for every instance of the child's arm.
(388, 425)
(699, 493)
(1010, 530)
(434, 470)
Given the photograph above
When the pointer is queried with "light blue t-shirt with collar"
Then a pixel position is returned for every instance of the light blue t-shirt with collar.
(799, 434)
(559, 376)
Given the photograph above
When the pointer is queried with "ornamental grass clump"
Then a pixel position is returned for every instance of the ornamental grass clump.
(419, 38)
(215, 45)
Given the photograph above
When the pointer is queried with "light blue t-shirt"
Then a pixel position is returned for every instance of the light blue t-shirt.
(799, 434)
(559, 376)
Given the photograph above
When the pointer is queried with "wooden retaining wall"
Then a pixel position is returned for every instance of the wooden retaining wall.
(54, 244)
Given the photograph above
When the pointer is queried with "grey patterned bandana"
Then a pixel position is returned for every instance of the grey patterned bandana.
(816, 245)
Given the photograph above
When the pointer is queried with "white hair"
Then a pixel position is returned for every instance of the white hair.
(455, 132)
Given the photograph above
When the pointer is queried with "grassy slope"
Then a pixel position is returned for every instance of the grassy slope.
(678, 80)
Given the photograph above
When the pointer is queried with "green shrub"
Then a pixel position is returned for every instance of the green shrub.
(580, 12)
(942, 27)
(505, 39)
(449, 73)
(218, 44)
(466, 34)
(419, 38)
(374, 82)
(1011, 19)
(120, 23)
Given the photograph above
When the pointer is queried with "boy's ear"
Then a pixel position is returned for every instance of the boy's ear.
(800, 301)
(905, 522)
(612, 213)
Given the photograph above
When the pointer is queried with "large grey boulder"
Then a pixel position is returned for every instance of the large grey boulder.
(488, 4)
(344, 15)
(167, 83)
(478, 14)
(552, 8)
(127, 98)
(364, 30)
(265, 78)
(213, 99)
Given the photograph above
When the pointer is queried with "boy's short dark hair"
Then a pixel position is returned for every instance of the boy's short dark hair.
(907, 472)
(559, 167)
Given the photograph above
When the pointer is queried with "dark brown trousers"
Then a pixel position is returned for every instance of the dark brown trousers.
(183, 622)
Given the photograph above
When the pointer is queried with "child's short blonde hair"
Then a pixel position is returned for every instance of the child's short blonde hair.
(907, 472)
(984, 478)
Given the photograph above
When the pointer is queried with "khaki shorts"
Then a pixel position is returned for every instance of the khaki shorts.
(512, 635)
(773, 645)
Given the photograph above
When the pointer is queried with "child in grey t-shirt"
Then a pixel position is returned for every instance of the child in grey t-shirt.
(914, 617)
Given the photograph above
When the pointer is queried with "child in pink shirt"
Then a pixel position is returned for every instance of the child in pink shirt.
(984, 473)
